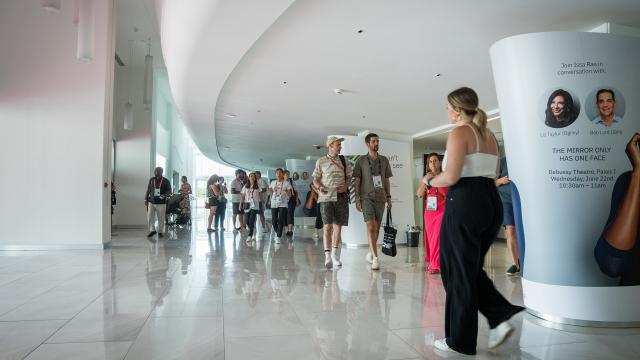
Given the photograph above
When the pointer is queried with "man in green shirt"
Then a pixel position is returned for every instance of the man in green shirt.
(371, 175)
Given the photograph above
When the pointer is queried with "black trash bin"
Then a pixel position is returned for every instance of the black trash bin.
(413, 238)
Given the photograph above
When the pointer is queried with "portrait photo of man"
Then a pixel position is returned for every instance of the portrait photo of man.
(606, 106)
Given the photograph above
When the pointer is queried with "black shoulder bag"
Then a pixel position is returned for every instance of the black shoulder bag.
(344, 169)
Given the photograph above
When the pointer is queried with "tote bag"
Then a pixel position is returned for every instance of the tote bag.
(389, 240)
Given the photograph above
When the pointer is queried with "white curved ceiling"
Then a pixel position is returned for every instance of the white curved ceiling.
(233, 57)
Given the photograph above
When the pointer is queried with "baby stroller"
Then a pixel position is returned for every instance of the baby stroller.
(178, 214)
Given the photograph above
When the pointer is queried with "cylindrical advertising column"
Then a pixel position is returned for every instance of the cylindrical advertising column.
(569, 109)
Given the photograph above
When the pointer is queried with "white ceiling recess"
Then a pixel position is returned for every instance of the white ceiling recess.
(228, 61)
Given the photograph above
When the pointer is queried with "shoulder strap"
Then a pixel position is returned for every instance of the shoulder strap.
(476, 136)
(344, 167)
(389, 218)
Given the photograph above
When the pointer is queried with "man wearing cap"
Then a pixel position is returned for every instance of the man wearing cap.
(331, 177)
(371, 175)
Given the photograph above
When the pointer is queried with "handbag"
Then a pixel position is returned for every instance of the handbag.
(389, 240)
(206, 204)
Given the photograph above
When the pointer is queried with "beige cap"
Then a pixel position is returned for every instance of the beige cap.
(332, 139)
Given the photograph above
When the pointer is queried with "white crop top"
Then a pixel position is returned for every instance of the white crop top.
(476, 164)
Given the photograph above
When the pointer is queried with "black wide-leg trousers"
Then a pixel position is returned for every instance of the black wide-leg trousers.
(472, 218)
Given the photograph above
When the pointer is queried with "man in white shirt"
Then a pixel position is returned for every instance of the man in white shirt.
(264, 185)
(331, 177)
(280, 191)
(236, 187)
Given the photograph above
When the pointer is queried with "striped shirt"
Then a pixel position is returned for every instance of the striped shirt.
(330, 173)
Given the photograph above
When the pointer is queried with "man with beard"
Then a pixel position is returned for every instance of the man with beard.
(371, 175)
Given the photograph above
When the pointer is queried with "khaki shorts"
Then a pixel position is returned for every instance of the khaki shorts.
(372, 209)
(335, 212)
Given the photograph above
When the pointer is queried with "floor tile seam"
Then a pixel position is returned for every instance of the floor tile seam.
(16, 279)
(185, 316)
(45, 340)
(25, 302)
(87, 342)
(267, 336)
(415, 350)
(80, 311)
(133, 341)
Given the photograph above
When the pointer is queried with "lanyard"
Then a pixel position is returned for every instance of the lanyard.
(371, 165)
(154, 183)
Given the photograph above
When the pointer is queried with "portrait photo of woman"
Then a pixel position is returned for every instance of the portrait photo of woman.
(561, 110)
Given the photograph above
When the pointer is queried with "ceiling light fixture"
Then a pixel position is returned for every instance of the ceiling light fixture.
(128, 107)
(148, 77)
(338, 91)
(52, 6)
(438, 74)
(231, 115)
(360, 31)
(86, 26)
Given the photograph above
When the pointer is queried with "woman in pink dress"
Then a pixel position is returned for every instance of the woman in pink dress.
(433, 211)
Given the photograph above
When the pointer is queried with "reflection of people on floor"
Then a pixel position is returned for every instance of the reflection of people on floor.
(284, 273)
(215, 259)
(158, 282)
(251, 279)
(331, 330)
(369, 324)
(433, 298)
(618, 249)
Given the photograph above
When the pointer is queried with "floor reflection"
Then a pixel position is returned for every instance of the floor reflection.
(222, 295)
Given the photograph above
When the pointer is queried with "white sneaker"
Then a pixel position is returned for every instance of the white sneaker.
(499, 334)
(278, 238)
(328, 263)
(441, 344)
(336, 261)
(314, 235)
(375, 264)
(369, 258)
(254, 236)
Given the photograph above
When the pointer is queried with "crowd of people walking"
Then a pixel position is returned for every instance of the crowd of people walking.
(465, 204)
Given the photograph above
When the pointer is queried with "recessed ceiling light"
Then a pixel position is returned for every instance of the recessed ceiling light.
(338, 91)
(360, 31)
(438, 74)
(231, 115)
(284, 83)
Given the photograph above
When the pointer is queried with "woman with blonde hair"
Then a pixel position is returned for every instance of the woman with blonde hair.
(434, 203)
(472, 218)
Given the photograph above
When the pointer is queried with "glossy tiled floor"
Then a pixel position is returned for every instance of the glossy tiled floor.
(194, 295)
